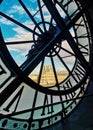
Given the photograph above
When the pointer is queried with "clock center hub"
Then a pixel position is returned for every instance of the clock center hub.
(45, 36)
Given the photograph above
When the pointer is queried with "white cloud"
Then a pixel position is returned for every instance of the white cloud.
(16, 9)
(5, 21)
(21, 35)
(29, 24)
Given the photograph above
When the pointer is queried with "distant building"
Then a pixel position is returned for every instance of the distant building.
(48, 77)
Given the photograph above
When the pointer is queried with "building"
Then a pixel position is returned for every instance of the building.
(48, 77)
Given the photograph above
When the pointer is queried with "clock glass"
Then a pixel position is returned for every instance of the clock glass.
(44, 50)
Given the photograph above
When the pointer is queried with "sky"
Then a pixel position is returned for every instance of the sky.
(13, 32)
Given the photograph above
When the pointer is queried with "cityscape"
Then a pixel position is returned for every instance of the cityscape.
(47, 77)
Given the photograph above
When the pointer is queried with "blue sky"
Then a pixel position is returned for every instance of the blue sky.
(13, 32)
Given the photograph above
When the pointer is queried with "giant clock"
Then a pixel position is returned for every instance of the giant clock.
(45, 61)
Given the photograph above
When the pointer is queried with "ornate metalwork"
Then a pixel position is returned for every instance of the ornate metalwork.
(45, 61)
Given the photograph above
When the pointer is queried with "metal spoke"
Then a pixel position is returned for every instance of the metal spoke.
(62, 61)
(67, 2)
(57, 83)
(17, 97)
(38, 10)
(54, 70)
(66, 56)
(33, 106)
(40, 73)
(70, 24)
(18, 23)
(29, 14)
(19, 42)
(41, 13)
(72, 54)
(10, 90)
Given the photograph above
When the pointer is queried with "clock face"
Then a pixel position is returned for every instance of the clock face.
(45, 48)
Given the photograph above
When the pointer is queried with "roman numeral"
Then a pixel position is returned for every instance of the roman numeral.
(71, 95)
(49, 108)
(69, 85)
(16, 99)
(2, 71)
(80, 28)
(6, 76)
(68, 7)
(84, 49)
(79, 24)
(79, 71)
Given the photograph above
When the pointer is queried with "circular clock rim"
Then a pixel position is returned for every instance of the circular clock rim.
(18, 72)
